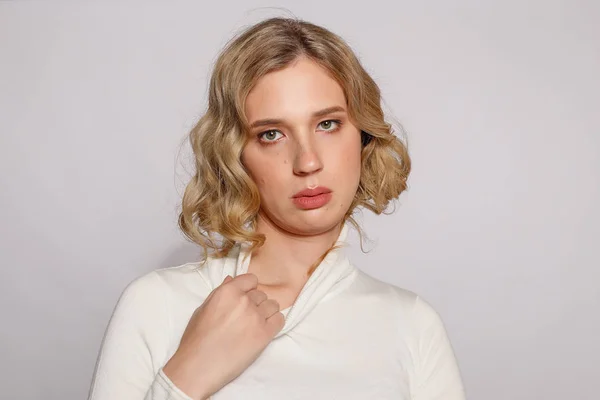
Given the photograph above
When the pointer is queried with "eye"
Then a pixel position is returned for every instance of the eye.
(269, 136)
(331, 125)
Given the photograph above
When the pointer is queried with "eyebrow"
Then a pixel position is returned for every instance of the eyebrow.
(316, 114)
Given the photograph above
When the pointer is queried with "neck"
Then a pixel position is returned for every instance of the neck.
(285, 258)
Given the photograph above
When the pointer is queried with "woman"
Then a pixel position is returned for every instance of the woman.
(292, 142)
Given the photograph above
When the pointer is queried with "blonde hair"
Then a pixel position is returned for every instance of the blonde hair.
(221, 202)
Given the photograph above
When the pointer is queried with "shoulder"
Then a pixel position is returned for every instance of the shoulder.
(153, 304)
(182, 278)
(409, 307)
(162, 279)
(397, 297)
(149, 290)
(185, 281)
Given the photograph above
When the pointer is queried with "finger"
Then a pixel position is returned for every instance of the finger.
(245, 282)
(275, 323)
(228, 278)
(256, 296)
(268, 307)
(211, 294)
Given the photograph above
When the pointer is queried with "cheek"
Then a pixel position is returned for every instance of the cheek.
(267, 170)
(350, 160)
(260, 175)
(251, 160)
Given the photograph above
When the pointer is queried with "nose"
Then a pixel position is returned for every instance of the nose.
(307, 159)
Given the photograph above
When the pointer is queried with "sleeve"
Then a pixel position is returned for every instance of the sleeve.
(436, 372)
(137, 331)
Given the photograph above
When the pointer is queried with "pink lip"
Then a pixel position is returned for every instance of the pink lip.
(312, 192)
(309, 199)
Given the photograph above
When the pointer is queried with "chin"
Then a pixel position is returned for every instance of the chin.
(313, 222)
(304, 222)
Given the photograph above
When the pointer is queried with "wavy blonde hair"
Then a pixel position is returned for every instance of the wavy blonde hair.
(221, 202)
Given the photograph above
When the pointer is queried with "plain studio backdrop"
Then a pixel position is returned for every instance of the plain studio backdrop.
(499, 229)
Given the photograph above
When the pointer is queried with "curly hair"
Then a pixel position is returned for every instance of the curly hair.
(221, 202)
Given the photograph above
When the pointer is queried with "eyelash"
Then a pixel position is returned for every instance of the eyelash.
(270, 142)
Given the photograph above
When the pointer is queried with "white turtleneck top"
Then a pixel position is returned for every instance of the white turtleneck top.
(347, 336)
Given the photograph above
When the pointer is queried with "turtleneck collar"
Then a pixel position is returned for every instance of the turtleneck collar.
(334, 269)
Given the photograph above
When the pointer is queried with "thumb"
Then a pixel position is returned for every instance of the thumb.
(227, 279)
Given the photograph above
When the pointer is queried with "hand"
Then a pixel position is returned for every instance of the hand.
(224, 336)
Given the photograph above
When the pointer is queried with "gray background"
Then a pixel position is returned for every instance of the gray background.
(499, 229)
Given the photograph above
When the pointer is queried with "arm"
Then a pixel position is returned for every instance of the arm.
(436, 374)
(137, 330)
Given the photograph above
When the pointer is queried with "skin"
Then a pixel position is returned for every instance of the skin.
(301, 151)
(240, 317)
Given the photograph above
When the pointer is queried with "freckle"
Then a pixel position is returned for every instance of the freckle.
(285, 161)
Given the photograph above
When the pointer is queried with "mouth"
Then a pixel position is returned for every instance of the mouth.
(309, 199)
(312, 192)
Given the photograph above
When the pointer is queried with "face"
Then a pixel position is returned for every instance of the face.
(301, 139)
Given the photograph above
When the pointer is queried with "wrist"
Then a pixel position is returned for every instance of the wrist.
(186, 378)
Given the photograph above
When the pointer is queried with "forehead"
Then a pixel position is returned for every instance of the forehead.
(293, 92)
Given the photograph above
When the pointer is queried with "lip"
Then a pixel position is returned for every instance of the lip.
(309, 199)
(312, 192)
